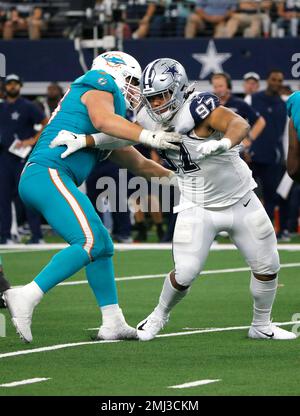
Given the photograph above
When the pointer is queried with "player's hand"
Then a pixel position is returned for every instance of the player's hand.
(160, 139)
(73, 141)
(213, 147)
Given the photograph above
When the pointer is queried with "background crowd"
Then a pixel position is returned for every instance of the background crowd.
(153, 18)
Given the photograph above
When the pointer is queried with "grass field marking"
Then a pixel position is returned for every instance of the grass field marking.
(23, 248)
(78, 344)
(194, 384)
(23, 382)
(142, 277)
(156, 276)
(53, 348)
(206, 330)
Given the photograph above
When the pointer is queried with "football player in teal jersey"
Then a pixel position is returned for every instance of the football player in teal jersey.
(96, 101)
(293, 161)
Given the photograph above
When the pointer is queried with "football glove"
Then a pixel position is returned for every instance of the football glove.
(160, 139)
(73, 141)
(214, 147)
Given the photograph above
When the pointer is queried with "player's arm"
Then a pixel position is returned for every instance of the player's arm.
(100, 106)
(234, 127)
(293, 159)
(208, 115)
(131, 159)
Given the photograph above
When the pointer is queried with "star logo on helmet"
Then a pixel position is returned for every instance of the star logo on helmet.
(172, 70)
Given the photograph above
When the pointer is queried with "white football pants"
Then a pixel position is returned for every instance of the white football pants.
(247, 224)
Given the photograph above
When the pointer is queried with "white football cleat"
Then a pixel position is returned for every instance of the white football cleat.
(150, 327)
(20, 309)
(116, 331)
(273, 332)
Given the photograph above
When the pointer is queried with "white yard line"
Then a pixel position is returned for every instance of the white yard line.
(23, 382)
(156, 276)
(194, 384)
(19, 248)
(78, 344)
(206, 330)
(52, 348)
(142, 277)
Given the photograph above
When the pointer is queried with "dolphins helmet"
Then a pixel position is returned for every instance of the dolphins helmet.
(126, 72)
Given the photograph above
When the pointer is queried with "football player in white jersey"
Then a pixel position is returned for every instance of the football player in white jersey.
(216, 194)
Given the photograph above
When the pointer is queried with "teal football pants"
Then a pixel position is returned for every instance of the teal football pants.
(53, 193)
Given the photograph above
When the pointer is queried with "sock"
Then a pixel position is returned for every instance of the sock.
(34, 292)
(62, 266)
(263, 294)
(101, 278)
(169, 297)
(111, 314)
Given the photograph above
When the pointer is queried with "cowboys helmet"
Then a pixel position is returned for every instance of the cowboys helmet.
(126, 72)
(167, 77)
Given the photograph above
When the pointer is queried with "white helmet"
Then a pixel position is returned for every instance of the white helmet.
(167, 77)
(125, 70)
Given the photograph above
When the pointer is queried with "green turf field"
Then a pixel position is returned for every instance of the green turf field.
(217, 300)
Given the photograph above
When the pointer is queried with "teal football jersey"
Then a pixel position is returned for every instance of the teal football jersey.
(293, 109)
(72, 115)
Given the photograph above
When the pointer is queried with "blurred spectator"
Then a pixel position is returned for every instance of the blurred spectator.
(178, 15)
(17, 119)
(250, 16)
(289, 14)
(153, 21)
(35, 23)
(2, 17)
(213, 12)
(49, 103)
(222, 87)
(117, 16)
(14, 23)
(251, 83)
(267, 158)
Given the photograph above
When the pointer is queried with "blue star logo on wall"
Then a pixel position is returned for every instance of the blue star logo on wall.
(171, 70)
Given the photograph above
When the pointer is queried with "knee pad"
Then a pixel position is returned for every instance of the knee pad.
(268, 262)
(186, 273)
(261, 228)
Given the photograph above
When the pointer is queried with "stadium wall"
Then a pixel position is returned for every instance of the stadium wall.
(39, 62)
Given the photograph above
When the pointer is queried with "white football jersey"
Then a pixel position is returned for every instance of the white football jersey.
(214, 182)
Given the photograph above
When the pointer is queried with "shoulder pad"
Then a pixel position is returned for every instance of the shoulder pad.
(202, 104)
(99, 80)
